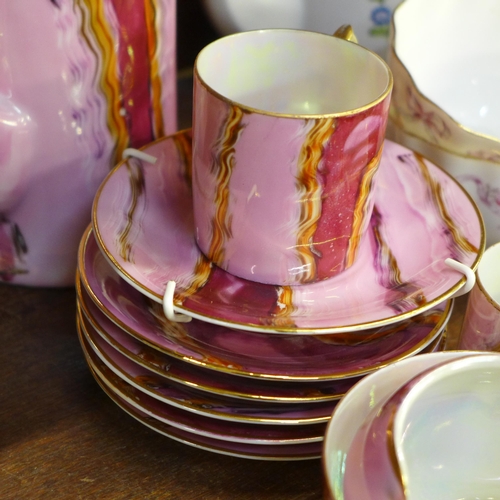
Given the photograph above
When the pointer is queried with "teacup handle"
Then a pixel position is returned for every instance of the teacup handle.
(346, 33)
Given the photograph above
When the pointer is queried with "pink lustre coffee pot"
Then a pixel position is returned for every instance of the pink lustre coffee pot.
(80, 82)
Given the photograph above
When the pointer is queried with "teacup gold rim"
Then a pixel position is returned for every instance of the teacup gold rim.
(392, 445)
(384, 95)
(333, 493)
(393, 52)
(426, 379)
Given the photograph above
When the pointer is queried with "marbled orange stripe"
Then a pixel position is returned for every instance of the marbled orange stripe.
(223, 167)
(137, 185)
(389, 266)
(310, 193)
(436, 189)
(98, 35)
(360, 214)
(150, 11)
(203, 267)
(285, 308)
(201, 274)
(184, 146)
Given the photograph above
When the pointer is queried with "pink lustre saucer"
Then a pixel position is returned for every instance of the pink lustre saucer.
(201, 403)
(143, 221)
(191, 375)
(274, 452)
(119, 310)
(225, 430)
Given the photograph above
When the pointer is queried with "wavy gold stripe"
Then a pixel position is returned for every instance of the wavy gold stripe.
(436, 190)
(223, 167)
(137, 185)
(150, 12)
(95, 28)
(203, 267)
(390, 274)
(285, 307)
(184, 145)
(360, 210)
(201, 274)
(310, 192)
(391, 450)
(386, 257)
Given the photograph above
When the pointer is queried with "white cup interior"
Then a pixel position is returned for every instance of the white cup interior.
(488, 272)
(293, 72)
(373, 390)
(445, 432)
(451, 48)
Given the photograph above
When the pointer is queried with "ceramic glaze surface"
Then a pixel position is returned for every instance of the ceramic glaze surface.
(449, 63)
(240, 432)
(369, 19)
(287, 138)
(67, 111)
(423, 84)
(143, 221)
(244, 450)
(256, 355)
(252, 388)
(446, 433)
(481, 326)
(478, 176)
(350, 414)
(371, 470)
(212, 405)
(445, 103)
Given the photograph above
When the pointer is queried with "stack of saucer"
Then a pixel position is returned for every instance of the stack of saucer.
(259, 369)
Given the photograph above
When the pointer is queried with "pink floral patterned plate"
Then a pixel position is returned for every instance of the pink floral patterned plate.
(143, 221)
(120, 310)
(271, 452)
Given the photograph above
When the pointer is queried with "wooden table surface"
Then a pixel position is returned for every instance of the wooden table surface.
(62, 437)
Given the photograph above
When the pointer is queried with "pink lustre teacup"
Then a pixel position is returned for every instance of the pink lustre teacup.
(481, 326)
(288, 128)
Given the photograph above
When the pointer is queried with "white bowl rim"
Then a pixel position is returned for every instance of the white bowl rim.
(393, 53)
(470, 361)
